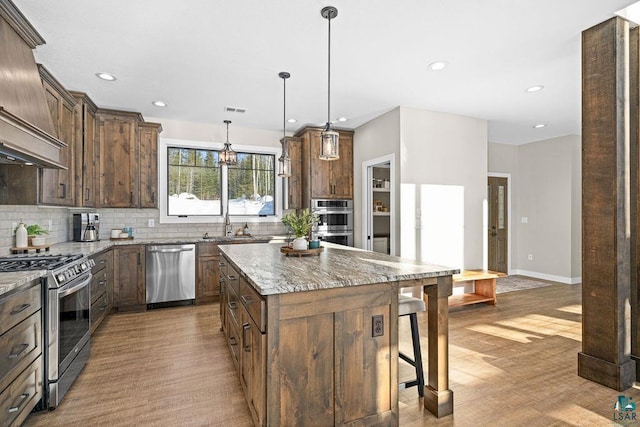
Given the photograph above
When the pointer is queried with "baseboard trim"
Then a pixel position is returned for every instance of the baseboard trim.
(544, 276)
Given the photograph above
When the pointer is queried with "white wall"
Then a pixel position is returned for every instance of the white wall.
(216, 133)
(546, 189)
(450, 150)
(374, 139)
(431, 149)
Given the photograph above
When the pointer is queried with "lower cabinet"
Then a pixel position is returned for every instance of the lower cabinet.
(207, 273)
(129, 290)
(325, 365)
(244, 328)
(21, 374)
(101, 287)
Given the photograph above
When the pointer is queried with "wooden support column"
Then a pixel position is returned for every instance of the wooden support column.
(438, 398)
(606, 207)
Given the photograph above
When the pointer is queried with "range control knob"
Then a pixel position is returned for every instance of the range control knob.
(61, 278)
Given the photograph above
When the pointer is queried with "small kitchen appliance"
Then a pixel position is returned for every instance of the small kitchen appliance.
(86, 227)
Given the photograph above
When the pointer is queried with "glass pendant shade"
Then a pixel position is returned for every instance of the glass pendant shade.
(227, 156)
(329, 145)
(284, 166)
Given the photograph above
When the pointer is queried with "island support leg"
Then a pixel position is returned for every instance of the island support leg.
(438, 399)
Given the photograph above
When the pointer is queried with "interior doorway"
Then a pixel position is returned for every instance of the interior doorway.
(378, 205)
(498, 226)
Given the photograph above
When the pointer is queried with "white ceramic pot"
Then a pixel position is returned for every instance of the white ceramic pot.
(38, 241)
(299, 244)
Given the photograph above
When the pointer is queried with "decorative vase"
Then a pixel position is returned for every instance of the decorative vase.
(299, 244)
(21, 236)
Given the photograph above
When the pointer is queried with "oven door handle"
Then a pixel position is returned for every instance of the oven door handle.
(62, 292)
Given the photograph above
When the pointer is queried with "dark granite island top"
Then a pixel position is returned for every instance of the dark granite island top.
(301, 333)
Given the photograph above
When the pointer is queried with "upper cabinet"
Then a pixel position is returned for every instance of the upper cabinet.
(56, 186)
(148, 164)
(322, 179)
(127, 165)
(86, 151)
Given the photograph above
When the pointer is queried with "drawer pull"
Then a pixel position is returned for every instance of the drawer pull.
(232, 341)
(245, 328)
(103, 308)
(102, 282)
(23, 398)
(232, 305)
(103, 261)
(246, 299)
(21, 348)
(21, 308)
(222, 264)
(232, 277)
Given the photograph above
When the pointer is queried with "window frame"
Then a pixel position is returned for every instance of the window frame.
(163, 145)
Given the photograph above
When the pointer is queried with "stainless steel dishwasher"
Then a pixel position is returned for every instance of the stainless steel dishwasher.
(171, 273)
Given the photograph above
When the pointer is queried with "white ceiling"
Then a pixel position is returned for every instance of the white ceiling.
(201, 55)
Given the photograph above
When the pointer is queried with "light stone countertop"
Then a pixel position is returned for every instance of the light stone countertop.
(13, 280)
(271, 272)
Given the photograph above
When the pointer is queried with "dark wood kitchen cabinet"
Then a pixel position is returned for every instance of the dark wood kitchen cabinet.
(101, 287)
(322, 179)
(28, 185)
(86, 151)
(56, 185)
(129, 290)
(21, 373)
(207, 272)
(294, 147)
(148, 164)
(127, 165)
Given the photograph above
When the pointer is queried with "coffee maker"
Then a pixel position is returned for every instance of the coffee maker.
(86, 227)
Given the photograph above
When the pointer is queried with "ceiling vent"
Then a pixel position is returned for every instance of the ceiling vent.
(235, 110)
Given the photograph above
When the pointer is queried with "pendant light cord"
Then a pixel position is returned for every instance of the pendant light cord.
(284, 117)
(329, 75)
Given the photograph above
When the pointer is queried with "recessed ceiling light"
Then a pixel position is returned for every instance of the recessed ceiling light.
(437, 66)
(159, 103)
(536, 88)
(292, 121)
(106, 76)
(342, 119)
(539, 125)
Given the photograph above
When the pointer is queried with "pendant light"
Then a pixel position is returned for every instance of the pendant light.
(284, 162)
(227, 155)
(329, 143)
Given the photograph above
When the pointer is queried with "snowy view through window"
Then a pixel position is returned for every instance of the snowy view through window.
(195, 183)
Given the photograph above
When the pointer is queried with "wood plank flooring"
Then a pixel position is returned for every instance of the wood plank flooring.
(512, 364)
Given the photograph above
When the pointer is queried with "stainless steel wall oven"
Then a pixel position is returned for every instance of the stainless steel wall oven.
(335, 223)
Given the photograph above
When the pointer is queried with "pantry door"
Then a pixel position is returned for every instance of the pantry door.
(498, 224)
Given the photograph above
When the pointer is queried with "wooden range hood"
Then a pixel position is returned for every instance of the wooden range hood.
(26, 127)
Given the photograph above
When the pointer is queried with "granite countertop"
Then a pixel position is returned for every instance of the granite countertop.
(13, 280)
(271, 272)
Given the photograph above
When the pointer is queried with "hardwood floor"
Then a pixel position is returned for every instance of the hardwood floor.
(512, 364)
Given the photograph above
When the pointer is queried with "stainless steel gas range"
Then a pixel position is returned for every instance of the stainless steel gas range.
(66, 317)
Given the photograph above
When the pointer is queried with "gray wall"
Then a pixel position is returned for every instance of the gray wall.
(546, 189)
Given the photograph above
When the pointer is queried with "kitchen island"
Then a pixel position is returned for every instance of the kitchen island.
(315, 339)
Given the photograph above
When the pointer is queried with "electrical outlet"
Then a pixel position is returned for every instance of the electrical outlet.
(50, 228)
(14, 225)
(377, 325)
(530, 257)
(152, 222)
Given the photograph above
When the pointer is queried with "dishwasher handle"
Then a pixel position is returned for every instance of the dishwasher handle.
(168, 251)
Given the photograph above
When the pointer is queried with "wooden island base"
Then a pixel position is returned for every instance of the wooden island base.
(328, 356)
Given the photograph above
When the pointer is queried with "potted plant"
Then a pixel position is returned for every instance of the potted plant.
(300, 225)
(34, 233)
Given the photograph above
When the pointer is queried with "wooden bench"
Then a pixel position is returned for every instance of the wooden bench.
(484, 287)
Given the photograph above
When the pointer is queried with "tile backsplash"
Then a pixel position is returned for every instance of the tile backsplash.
(59, 222)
